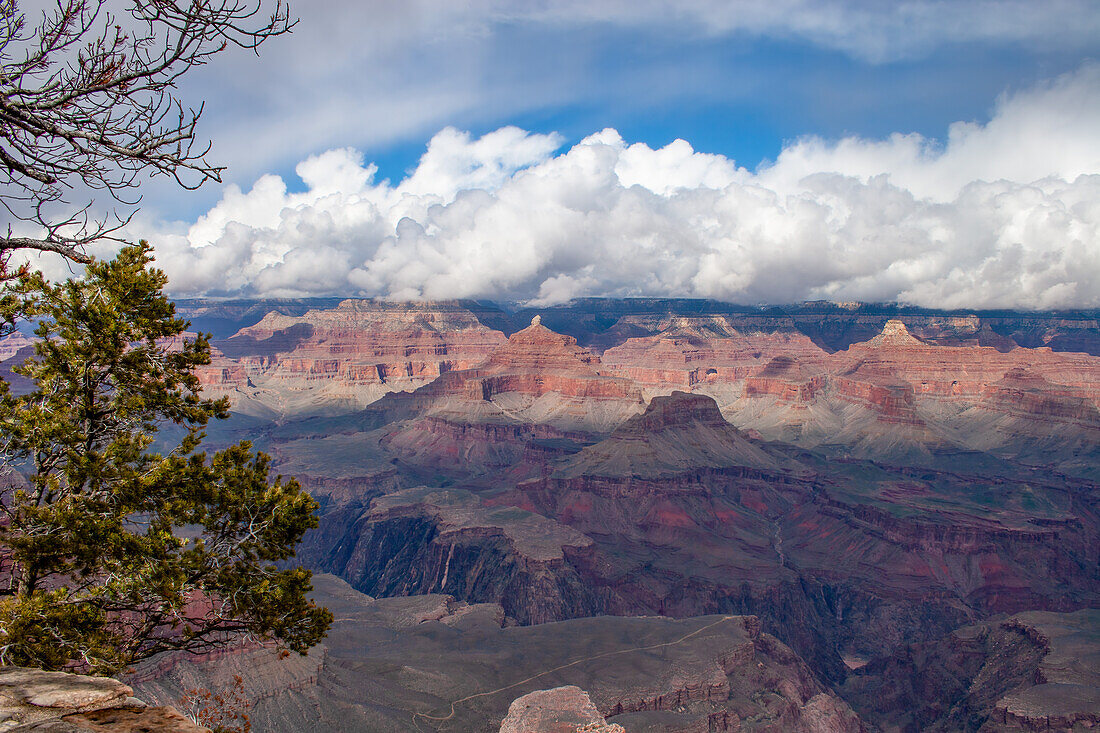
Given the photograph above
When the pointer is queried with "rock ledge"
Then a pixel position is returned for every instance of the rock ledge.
(57, 702)
(560, 710)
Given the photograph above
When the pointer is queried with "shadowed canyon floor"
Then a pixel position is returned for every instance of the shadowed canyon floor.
(907, 501)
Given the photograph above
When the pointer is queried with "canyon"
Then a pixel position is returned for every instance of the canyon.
(430, 662)
(873, 517)
(344, 357)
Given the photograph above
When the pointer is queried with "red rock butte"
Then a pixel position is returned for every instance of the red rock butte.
(346, 357)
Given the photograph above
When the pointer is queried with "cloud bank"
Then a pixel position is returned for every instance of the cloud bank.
(872, 31)
(1005, 214)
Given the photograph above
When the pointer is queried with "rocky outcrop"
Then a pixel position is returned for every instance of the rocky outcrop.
(906, 388)
(14, 350)
(425, 540)
(450, 443)
(1065, 691)
(430, 663)
(676, 434)
(1026, 395)
(705, 353)
(900, 398)
(889, 398)
(344, 358)
(16, 343)
(787, 379)
(565, 709)
(538, 377)
(756, 531)
(604, 323)
(57, 702)
(963, 372)
(1032, 671)
(680, 513)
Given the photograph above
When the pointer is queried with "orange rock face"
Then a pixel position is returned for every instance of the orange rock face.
(895, 392)
(879, 390)
(539, 377)
(786, 379)
(899, 395)
(1027, 394)
(894, 395)
(965, 371)
(536, 361)
(346, 357)
(689, 356)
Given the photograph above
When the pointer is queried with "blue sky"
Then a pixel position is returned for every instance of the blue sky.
(943, 152)
(383, 80)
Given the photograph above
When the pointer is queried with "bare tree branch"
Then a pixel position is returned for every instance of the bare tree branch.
(88, 99)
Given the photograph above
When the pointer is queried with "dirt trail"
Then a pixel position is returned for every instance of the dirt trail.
(685, 637)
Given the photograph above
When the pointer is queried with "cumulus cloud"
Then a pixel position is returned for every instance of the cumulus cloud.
(1050, 129)
(1005, 214)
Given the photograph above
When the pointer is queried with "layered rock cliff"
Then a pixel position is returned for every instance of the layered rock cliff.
(424, 540)
(344, 358)
(57, 702)
(536, 377)
(1031, 671)
(430, 663)
(860, 479)
(683, 514)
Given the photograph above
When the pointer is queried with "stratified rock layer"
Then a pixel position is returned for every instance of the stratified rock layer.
(425, 540)
(538, 376)
(682, 514)
(344, 358)
(859, 478)
(1033, 671)
(57, 702)
(560, 710)
(430, 663)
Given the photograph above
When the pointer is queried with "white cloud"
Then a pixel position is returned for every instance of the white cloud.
(377, 74)
(873, 31)
(1048, 130)
(1005, 214)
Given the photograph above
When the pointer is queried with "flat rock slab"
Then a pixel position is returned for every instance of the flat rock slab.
(37, 688)
(57, 702)
(1051, 706)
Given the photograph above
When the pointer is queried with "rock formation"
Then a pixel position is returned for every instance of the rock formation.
(15, 343)
(899, 398)
(860, 479)
(1031, 671)
(425, 540)
(711, 355)
(57, 702)
(560, 710)
(905, 389)
(678, 433)
(682, 514)
(538, 376)
(344, 358)
(533, 398)
(429, 663)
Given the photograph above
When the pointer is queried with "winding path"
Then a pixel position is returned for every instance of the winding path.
(685, 637)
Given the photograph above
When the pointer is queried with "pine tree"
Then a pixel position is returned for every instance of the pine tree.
(111, 552)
